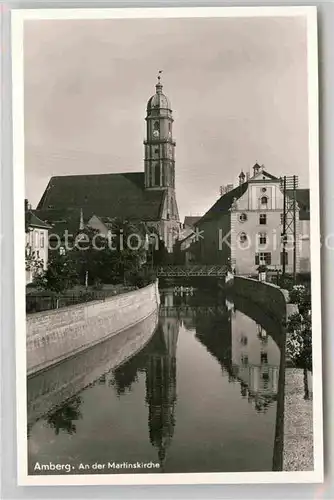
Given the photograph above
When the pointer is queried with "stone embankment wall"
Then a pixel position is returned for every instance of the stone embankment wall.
(271, 297)
(53, 336)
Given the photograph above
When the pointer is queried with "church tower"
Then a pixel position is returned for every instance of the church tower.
(160, 162)
(159, 143)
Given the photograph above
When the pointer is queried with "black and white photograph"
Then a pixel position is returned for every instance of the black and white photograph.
(167, 248)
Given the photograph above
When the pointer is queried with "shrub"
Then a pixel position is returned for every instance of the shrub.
(299, 340)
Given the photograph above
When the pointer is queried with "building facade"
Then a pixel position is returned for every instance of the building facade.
(37, 248)
(243, 229)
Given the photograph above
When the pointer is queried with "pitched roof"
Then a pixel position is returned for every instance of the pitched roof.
(223, 204)
(190, 220)
(107, 195)
(62, 219)
(32, 220)
(303, 200)
(256, 177)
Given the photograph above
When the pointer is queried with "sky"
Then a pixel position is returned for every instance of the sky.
(238, 89)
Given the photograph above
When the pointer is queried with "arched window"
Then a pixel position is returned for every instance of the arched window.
(264, 200)
(157, 175)
(156, 126)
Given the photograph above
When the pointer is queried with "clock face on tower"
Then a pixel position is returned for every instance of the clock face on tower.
(156, 133)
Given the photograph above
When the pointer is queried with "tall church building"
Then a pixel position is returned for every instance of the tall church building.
(160, 157)
(144, 197)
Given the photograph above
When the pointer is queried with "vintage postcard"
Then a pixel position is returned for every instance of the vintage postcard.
(168, 316)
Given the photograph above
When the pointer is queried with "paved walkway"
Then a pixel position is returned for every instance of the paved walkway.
(298, 422)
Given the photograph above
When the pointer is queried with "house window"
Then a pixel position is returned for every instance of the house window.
(243, 238)
(264, 358)
(264, 200)
(244, 359)
(156, 151)
(263, 258)
(285, 258)
(242, 217)
(36, 239)
(243, 340)
(41, 239)
(263, 219)
(262, 238)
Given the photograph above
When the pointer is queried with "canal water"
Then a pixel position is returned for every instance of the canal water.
(201, 396)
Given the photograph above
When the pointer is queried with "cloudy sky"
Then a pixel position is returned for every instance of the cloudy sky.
(238, 90)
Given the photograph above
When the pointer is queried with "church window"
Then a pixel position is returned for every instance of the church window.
(242, 217)
(156, 151)
(157, 175)
(157, 126)
(263, 190)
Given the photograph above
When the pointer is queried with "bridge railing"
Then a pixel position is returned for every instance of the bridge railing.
(195, 270)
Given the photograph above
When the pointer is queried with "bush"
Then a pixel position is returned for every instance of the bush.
(299, 340)
(301, 295)
(141, 278)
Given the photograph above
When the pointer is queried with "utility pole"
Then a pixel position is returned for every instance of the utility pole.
(289, 187)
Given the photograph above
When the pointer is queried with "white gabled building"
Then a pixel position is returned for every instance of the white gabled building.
(244, 227)
(37, 248)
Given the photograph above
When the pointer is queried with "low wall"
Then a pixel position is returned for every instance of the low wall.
(272, 298)
(53, 336)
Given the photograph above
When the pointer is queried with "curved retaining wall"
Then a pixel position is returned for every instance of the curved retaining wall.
(53, 336)
(271, 297)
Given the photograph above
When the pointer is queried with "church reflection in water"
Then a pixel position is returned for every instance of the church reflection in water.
(246, 352)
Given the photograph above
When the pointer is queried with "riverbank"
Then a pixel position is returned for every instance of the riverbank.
(298, 421)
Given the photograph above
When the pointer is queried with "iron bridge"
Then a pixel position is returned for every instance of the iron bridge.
(188, 271)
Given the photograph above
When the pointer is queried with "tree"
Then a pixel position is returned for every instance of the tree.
(60, 275)
(34, 264)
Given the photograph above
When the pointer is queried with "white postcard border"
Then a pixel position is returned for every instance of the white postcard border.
(17, 20)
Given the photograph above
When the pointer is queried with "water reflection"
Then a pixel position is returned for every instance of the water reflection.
(64, 418)
(160, 412)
